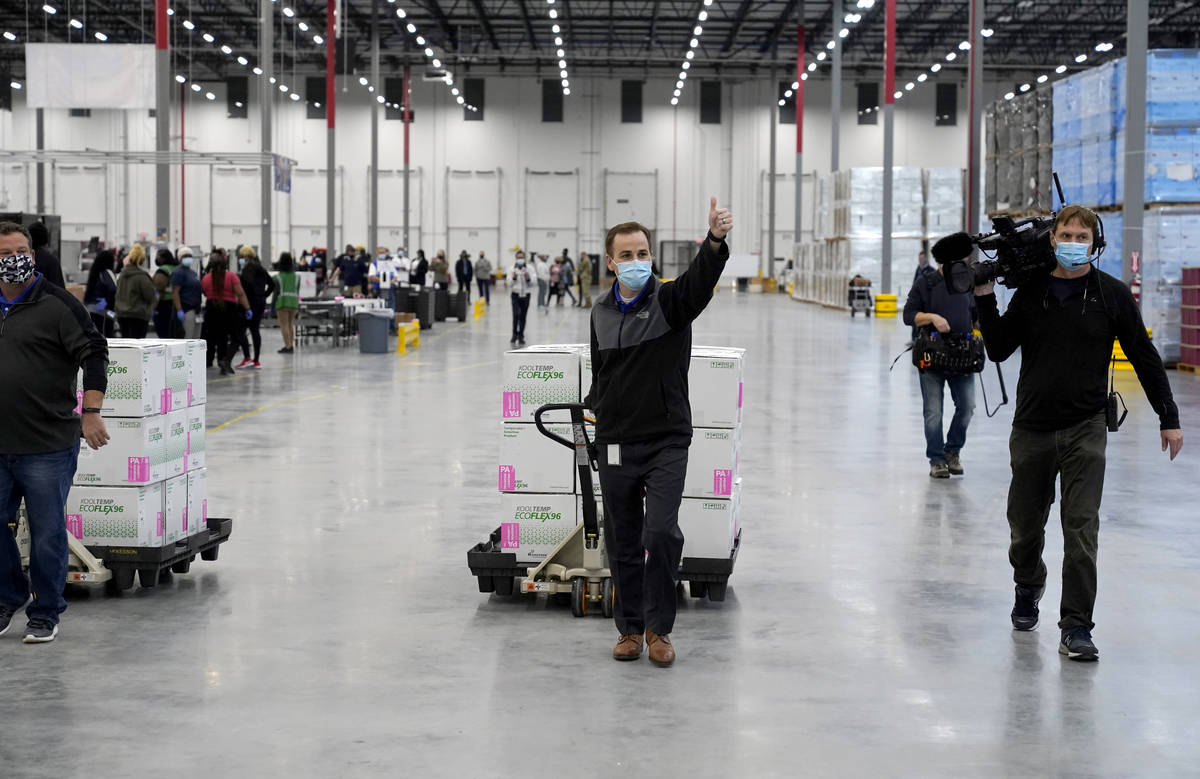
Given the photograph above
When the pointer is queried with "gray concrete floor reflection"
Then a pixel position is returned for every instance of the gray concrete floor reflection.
(866, 630)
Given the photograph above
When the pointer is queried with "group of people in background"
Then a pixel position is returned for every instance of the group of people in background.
(183, 298)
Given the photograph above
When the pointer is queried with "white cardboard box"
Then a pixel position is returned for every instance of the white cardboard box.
(176, 457)
(135, 454)
(175, 509)
(536, 376)
(712, 463)
(197, 508)
(715, 386)
(197, 440)
(710, 525)
(197, 357)
(532, 525)
(116, 516)
(585, 370)
(178, 371)
(531, 462)
(137, 372)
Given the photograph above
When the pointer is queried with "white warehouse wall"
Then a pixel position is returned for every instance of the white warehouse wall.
(491, 212)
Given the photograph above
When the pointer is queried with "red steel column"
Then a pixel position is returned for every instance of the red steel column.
(331, 247)
(889, 141)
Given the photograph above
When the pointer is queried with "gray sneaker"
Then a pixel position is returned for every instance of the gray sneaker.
(939, 471)
(6, 615)
(954, 464)
(40, 631)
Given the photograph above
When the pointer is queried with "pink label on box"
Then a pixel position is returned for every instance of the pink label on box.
(508, 478)
(187, 450)
(723, 481)
(160, 528)
(183, 527)
(139, 470)
(166, 401)
(204, 512)
(739, 394)
(79, 402)
(190, 395)
(512, 405)
(75, 525)
(510, 535)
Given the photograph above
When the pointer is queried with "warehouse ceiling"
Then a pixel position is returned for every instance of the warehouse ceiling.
(601, 37)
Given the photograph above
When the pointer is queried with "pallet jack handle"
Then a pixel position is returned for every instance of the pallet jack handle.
(585, 462)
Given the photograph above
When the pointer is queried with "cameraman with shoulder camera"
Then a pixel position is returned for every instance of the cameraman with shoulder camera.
(931, 305)
(1064, 324)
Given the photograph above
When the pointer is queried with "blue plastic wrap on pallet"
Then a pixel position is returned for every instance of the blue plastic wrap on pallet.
(1111, 259)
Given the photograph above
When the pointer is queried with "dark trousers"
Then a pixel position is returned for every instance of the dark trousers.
(485, 290)
(641, 530)
(253, 327)
(464, 285)
(166, 325)
(1076, 454)
(221, 329)
(520, 304)
(132, 327)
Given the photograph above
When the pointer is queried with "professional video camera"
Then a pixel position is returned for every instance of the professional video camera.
(1022, 253)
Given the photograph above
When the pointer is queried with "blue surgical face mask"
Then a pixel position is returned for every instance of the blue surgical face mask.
(1072, 256)
(186, 262)
(633, 274)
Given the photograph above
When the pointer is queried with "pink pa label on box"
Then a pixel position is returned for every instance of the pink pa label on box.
(184, 526)
(723, 481)
(167, 400)
(161, 527)
(508, 478)
(204, 512)
(512, 405)
(739, 395)
(191, 396)
(75, 525)
(139, 470)
(510, 535)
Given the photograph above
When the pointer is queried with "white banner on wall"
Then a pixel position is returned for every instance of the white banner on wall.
(89, 75)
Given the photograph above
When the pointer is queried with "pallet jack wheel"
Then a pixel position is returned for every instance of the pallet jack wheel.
(579, 595)
(503, 585)
(148, 577)
(608, 598)
(716, 591)
(697, 589)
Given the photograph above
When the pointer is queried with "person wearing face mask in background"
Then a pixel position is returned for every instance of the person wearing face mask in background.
(48, 337)
(259, 287)
(1064, 325)
(522, 280)
(186, 294)
(641, 345)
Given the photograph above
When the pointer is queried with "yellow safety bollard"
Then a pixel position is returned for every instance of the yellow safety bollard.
(885, 306)
(480, 308)
(409, 333)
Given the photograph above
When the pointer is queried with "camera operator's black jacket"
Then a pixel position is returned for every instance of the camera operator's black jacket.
(641, 353)
(1066, 349)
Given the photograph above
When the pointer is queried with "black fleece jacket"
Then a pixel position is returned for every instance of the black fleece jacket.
(44, 341)
(1066, 349)
(640, 356)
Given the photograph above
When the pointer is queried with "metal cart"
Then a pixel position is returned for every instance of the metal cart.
(578, 566)
(116, 566)
(860, 299)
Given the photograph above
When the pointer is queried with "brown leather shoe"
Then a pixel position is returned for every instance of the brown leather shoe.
(629, 647)
(662, 653)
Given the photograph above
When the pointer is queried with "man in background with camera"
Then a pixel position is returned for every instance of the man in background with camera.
(931, 305)
(1064, 324)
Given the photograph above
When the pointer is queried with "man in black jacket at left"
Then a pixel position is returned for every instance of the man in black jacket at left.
(641, 349)
(47, 336)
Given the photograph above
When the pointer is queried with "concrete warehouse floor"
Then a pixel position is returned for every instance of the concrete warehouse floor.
(866, 630)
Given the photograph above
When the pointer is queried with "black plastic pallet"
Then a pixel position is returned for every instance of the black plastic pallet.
(497, 570)
(151, 563)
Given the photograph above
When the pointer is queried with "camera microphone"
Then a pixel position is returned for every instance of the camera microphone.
(956, 246)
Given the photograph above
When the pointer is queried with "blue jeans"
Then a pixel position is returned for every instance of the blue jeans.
(44, 481)
(962, 391)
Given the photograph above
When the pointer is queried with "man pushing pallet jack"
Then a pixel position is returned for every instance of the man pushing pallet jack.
(641, 339)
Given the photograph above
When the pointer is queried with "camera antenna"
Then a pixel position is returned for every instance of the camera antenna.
(1062, 201)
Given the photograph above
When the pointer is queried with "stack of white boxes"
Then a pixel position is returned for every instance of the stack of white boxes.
(541, 498)
(539, 507)
(710, 514)
(148, 486)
